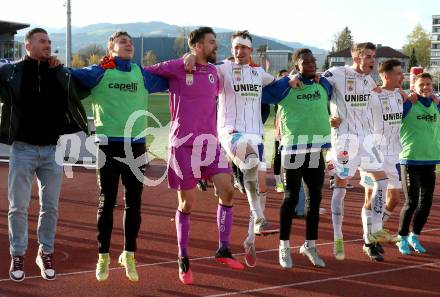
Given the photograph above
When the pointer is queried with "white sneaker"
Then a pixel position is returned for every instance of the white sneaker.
(262, 227)
(312, 254)
(16, 272)
(45, 262)
(285, 257)
(250, 256)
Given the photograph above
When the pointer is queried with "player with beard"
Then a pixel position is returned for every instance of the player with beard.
(193, 138)
(240, 129)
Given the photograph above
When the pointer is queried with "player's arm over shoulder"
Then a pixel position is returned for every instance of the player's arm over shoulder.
(166, 69)
(372, 84)
(222, 68)
(266, 78)
(333, 74)
(374, 102)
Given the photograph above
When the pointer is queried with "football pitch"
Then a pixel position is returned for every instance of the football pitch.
(157, 141)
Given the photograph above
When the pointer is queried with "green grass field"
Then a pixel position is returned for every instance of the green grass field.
(157, 141)
(158, 105)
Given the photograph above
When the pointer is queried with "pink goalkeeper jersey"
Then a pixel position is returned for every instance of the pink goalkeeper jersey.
(193, 99)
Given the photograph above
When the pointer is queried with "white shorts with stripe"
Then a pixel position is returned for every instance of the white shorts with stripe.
(235, 146)
(391, 167)
(350, 153)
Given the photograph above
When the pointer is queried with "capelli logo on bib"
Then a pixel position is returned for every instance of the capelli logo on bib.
(427, 117)
(130, 87)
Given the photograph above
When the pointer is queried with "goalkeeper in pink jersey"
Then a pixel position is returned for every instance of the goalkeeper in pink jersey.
(194, 150)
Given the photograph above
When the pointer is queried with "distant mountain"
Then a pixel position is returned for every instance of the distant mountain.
(135, 29)
(98, 34)
(224, 44)
(297, 45)
(319, 53)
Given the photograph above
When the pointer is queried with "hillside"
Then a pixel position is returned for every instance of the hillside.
(98, 34)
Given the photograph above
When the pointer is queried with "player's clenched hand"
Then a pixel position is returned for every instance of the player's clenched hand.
(412, 97)
(403, 94)
(54, 62)
(294, 82)
(317, 78)
(189, 61)
(377, 89)
(335, 121)
(107, 62)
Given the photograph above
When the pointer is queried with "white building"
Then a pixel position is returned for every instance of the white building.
(435, 41)
(10, 49)
(383, 53)
(273, 60)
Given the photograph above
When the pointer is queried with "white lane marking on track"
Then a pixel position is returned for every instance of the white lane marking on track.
(192, 259)
(326, 280)
(65, 256)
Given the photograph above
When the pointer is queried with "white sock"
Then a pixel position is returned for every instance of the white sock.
(263, 200)
(277, 179)
(338, 211)
(251, 233)
(250, 185)
(366, 223)
(378, 204)
(310, 243)
(284, 243)
(386, 215)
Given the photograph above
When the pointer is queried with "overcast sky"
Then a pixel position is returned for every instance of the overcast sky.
(309, 22)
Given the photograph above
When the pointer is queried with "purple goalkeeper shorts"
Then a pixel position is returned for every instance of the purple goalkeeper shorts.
(188, 164)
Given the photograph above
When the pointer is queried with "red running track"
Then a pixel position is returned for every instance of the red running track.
(76, 251)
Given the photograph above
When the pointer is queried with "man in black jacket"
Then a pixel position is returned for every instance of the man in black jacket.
(39, 105)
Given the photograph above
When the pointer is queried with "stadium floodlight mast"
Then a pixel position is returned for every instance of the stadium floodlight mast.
(68, 34)
(142, 49)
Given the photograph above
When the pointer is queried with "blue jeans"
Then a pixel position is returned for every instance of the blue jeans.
(25, 162)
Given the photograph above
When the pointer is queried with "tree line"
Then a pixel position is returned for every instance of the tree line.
(417, 47)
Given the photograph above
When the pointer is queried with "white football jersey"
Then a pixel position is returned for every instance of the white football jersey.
(385, 112)
(239, 104)
(349, 101)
